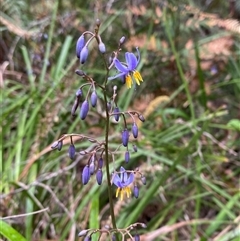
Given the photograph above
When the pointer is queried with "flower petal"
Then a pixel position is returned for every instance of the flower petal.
(138, 60)
(131, 61)
(116, 76)
(130, 179)
(120, 67)
(116, 180)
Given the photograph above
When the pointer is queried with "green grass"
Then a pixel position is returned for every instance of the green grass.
(188, 148)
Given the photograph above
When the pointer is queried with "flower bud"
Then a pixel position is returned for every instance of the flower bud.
(84, 109)
(127, 156)
(85, 175)
(59, 146)
(83, 233)
(99, 176)
(122, 39)
(102, 47)
(79, 93)
(137, 237)
(75, 106)
(143, 179)
(125, 137)
(92, 167)
(87, 238)
(54, 145)
(116, 116)
(135, 130)
(135, 191)
(80, 72)
(135, 148)
(94, 98)
(71, 151)
(84, 55)
(80, 44)
(100, 162)
(143, 225)
(113, 238)
(98, 22)
(141, 118)
(109, 105)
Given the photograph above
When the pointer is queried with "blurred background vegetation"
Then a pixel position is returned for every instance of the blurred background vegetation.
(189, 144)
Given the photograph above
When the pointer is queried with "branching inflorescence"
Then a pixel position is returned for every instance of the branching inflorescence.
(126, 181)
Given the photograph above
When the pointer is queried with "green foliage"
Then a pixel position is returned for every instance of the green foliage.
(189, 145)
(10, 233)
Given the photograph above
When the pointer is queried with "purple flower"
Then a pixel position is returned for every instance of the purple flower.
(123, 181)
(128, 69)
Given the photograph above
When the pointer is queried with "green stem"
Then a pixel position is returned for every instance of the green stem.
(106, 150)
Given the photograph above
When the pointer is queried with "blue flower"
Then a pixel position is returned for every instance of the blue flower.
(123, 182)
(128, 70)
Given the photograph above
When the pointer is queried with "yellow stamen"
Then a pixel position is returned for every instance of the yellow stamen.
(128, 81)
(137, 76)
(119, 189)
(122, 191)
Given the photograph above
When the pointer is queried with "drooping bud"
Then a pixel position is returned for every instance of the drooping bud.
(122, 39)
(80, 44)
(92, 166)
(125, 137)
(102, 47)
(99, 176)
(84, 55)
(116, 115)
(109, 105)
(135, 191)
(59, 146)
(85, 175)
(54, 145)
(80, 72)
(135, 148)
(136, 237)
(143, 225)
(75, 106)
(79, 93)
(87, 238)
(84, 109)
(98, 22)
(135, 130)
(83, 233)
(94, 98)
(71, 151)
(141, 118)
(143, 179)
(127, 156)
(100, 162)
(113, 238)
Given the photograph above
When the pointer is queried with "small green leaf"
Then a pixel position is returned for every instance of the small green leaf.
(234, 124)
(10, 233)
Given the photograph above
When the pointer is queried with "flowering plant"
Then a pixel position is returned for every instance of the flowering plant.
(100, 157)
